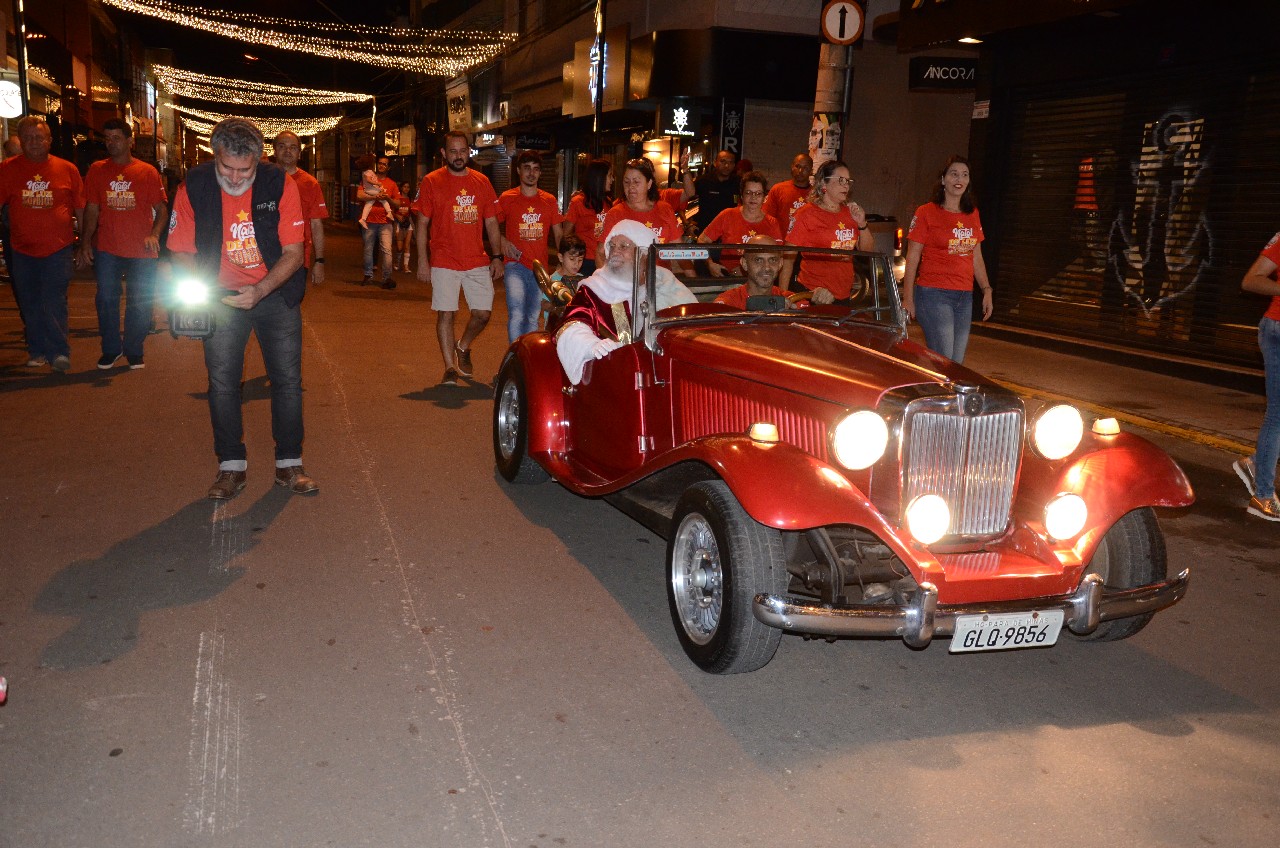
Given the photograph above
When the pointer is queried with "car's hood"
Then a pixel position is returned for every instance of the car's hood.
(817, 359)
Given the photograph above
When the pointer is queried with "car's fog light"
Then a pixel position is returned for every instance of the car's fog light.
(1065, 515)
(191, 291)
(859, 440)
(764, 432)
(1106, 427)
(928, 518)
(1057, 431)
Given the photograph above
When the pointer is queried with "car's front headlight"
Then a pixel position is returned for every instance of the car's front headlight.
(1065, 515)
(1057, 431)
(859, 440)
(191, 292)
(928, 518)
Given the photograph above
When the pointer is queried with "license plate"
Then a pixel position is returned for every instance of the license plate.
(1004, 630)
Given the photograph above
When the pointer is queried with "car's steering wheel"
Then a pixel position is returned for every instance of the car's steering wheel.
(557, 292)
(799, 297)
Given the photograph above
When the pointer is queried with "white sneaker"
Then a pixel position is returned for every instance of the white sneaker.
(1244, 470)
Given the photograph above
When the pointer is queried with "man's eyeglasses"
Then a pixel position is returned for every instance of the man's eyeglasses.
(841, 181)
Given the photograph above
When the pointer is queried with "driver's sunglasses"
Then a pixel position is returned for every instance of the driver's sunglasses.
(843, 181)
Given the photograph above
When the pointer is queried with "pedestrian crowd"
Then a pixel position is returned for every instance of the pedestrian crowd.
(256, 228)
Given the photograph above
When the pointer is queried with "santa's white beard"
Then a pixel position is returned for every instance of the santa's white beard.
(612, 284)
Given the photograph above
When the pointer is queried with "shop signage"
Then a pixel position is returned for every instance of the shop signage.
(679, 117)
(10, 100)
(732, 116)
(458, 97)
(587, 59)
(942, 72)
(533, 141)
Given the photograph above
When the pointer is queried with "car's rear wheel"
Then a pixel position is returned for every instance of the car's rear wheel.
(718, 559)
(511, 427)
(1131, 554)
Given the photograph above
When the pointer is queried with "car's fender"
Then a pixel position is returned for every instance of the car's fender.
(544, 385)
(1114, 475)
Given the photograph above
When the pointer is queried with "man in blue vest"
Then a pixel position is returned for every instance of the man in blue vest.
(237, 224)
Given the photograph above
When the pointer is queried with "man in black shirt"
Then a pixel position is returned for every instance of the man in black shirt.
(717, 190)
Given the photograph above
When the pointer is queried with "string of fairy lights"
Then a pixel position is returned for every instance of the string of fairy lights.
(432, 52)
(271, 127)
(199, 86)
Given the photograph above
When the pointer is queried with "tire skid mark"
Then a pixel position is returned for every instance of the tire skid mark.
(217, 741)
(437, 669)
(227, 538)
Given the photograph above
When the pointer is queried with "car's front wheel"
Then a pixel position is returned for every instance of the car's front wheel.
(718, 559)
(511, 427)
(1131, 554)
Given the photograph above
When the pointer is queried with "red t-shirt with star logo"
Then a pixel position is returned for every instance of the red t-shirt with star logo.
(126, 197)
(242, 264)
(816, 227)
(949, 238)
(457, 207)
(41, 197)
(526, 221)
(730, 227)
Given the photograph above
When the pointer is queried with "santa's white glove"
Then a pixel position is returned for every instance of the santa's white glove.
(604, 347)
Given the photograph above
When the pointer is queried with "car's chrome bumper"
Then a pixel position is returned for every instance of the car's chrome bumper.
(918, 622)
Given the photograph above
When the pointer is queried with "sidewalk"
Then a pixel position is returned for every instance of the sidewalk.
(1204, 412)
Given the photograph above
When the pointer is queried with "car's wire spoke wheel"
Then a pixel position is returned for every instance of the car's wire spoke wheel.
(1132, 553)
(511, 426)
(718, 558)
(697, 581)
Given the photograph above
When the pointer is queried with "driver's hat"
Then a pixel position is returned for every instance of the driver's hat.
(640, 234)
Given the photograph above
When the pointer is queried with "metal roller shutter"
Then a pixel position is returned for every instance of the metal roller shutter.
(1134, 205)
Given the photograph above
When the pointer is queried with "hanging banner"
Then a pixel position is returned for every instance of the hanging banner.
(458, 97)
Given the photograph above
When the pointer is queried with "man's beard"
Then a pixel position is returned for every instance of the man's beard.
(233, 191)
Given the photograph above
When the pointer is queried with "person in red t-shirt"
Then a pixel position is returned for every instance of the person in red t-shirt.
(528, 215)
(379, 225)
(829, 220)
(455, 207)
(641, 203)
(944, 257)
(45, 196)
(237, 223)
(1259, 471)
(739, 224)
(785, 199)
(125, 209)
(288, 147)
(587, 209)
(761, 270)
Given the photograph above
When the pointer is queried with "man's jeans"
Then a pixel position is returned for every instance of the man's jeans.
(40, 287)
(279, 331)
(141, 276)
(945, 315)
(524, 300)
(381, 233)
(1268, 450)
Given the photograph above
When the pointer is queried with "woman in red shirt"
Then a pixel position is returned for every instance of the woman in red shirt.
(739, 224)
(640, 203)
(587, 208)
(829, 219)
(1259, 471)
(944, 257)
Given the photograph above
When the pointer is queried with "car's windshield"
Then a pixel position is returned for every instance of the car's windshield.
(764, 283)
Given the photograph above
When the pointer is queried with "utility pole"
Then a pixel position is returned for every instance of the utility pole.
(842, 23)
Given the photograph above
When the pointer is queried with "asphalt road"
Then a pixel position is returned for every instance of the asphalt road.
(422, 655)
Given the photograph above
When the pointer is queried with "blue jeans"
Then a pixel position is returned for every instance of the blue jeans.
(945, 316)
(40, 287)
(524, 300)
(279, 331)
(1268, 451)
(141, 276)
(380, 233)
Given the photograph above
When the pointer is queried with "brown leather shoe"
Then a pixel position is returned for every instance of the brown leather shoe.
(296, 480)
(227, 486)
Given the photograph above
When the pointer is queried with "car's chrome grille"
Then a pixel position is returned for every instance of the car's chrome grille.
(970, 460)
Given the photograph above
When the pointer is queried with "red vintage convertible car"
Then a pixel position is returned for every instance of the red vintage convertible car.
(815, 471)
